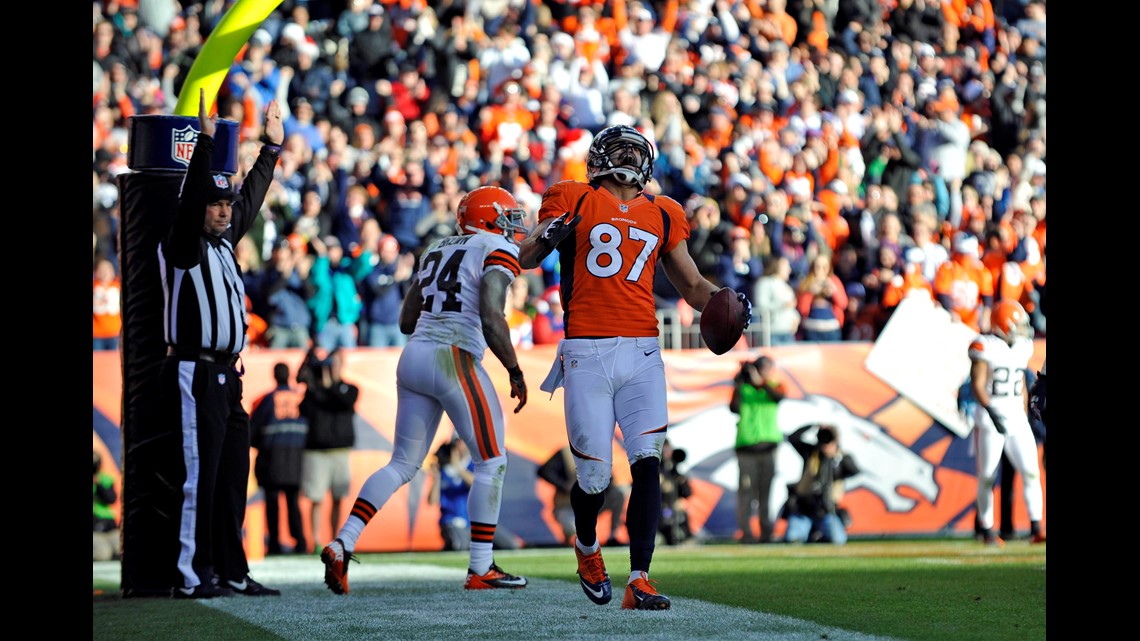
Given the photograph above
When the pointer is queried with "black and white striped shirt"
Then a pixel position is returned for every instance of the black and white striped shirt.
(203, 293)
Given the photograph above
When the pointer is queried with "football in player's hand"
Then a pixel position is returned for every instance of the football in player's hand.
(722, 321)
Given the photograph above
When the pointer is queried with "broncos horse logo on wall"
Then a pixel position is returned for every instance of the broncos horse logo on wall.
(886, 465)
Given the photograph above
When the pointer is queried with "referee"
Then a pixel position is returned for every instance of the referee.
(204, 325)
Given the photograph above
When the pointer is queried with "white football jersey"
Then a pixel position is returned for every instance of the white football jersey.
(451, 275)
(1007, 380)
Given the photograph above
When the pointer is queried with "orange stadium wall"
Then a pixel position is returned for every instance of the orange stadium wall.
(918, 476)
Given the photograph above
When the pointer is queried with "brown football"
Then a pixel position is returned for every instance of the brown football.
(722, 321)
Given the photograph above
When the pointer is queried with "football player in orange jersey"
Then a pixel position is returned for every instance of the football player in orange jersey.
(964, 286)
(610, 236)
(1001, 421)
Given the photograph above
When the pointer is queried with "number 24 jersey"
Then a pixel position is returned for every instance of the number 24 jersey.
(451, 274)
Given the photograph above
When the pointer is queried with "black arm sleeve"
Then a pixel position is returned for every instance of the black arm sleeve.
(796, 438)
(191, 216)
(253, 191)
(909, 155)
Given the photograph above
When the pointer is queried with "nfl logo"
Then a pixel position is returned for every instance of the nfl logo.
(221, 379)
(182, 144)
(574, 363)
(624, 208)
(221, 182)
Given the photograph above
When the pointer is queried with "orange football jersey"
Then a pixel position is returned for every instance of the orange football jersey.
(610, 261)
(965, 284)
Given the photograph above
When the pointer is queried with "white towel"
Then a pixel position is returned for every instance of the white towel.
(554, 377)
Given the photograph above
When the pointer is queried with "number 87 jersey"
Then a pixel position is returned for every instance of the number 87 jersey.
(450, 277)
(611, 259)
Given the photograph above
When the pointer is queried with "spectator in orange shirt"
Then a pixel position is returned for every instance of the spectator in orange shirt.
(1037, 208)
(902, 284)
(776, 23)
(964, 286)
(994, 252)
(835, 199)
(106, 315)
(974, 20)
(741, 200)
(508, 123)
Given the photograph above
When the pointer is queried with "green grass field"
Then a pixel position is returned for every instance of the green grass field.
(937, 590)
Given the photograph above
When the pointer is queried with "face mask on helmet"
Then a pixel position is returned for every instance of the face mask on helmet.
(622, 152)
(491, 210)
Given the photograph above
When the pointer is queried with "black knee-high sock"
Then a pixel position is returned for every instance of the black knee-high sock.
(644, 513)
(586, 508)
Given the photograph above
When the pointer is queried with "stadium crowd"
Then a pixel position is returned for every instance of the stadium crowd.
(879, 146)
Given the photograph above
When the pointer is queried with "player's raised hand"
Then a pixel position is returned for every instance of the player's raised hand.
(746, 312)
(559, 229)
(274, 127)
(206, 124)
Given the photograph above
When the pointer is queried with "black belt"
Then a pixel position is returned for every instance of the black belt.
(207, 355)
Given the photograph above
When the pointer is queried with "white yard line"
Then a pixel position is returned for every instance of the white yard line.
(412, 601)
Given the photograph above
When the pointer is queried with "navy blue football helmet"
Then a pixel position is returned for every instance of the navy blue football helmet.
(622, 152)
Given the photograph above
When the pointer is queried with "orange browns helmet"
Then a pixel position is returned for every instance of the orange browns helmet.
(491, 210)
(1008, 320)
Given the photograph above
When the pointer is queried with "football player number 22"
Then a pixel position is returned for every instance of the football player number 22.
(1006, 382)
(606, 240)
(446, 280)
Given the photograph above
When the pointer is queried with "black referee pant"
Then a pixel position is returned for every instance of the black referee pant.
(203, 401)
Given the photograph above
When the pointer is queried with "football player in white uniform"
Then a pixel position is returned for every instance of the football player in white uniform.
(997, 374)
(454, 312)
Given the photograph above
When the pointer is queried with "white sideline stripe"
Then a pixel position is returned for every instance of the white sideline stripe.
(413, 601)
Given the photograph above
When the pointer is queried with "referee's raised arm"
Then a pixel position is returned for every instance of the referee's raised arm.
(256, 183)
(191, 217)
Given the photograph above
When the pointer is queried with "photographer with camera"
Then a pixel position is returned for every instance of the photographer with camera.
(329, 407)
(675, 490)
(755, 397)
(813, 510)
